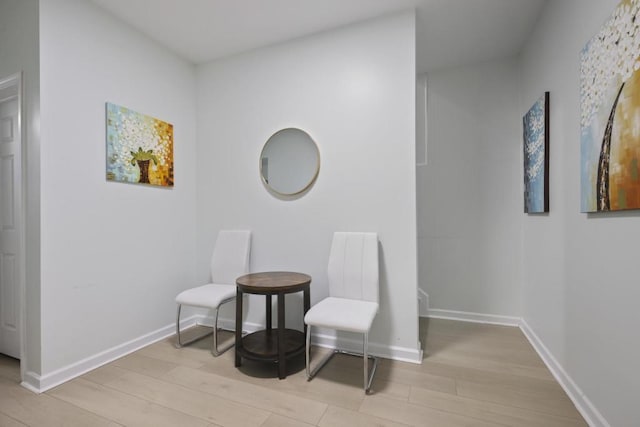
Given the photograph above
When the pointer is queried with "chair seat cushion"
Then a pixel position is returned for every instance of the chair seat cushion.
(342, 314)
(207, 296)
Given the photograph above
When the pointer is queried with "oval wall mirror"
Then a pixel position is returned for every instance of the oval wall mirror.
(290, 162)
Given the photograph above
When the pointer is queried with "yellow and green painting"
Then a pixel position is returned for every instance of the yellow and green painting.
(139, 148)
(610, 113)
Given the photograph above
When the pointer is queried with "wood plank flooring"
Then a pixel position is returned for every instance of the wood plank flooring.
(472, 375)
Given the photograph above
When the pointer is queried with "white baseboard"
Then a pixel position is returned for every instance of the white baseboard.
(38, 384)
(41, 383)
(465, 316)
(588, 411)
(385, 351)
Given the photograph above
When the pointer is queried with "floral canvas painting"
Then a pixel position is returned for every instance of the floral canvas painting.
(536, 156)
(610, 113)
(139, 148)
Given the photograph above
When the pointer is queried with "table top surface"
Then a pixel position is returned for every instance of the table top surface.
(273, 281)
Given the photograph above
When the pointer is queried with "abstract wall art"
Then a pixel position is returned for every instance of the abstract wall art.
(536, 156)
(139, 148)
(610, 113)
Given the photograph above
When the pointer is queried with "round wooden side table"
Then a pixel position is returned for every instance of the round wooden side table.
(271, 345)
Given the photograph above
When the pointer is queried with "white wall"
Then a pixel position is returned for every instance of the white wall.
(353, 91)
(19, 52)
(470, 199)
(114, 255)
(581, 271)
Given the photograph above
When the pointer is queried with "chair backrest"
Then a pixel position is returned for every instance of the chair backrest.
(353, 266)
(230, 258)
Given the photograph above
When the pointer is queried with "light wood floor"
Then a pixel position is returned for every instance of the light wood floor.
(472, 375)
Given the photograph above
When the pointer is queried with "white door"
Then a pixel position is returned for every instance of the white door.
(10, 218)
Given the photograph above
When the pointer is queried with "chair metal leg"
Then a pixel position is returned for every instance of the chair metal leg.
(365, 344)
(320, 365)
(368, 376)
(307, 353)
(214, 348)
(178, 342)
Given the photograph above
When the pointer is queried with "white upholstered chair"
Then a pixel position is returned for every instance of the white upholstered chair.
(229, 261)
(353, 296)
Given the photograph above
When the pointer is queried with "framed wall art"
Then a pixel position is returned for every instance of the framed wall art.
(536, 156)
(139, 148)
(610, 113)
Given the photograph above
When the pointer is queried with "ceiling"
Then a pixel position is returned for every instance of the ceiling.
(449, 32)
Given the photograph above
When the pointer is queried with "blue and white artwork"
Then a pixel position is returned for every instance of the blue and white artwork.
(536, 156)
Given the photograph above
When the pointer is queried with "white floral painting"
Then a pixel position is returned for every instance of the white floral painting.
(139, 148)
(536, 156)
(610, 113)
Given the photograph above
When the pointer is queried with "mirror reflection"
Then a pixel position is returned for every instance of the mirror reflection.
(289, 162)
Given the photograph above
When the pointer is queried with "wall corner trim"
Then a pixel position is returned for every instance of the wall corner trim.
(31, 382)
(423, 303)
